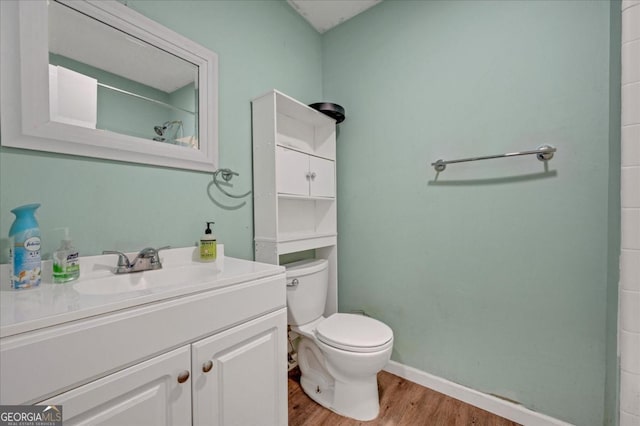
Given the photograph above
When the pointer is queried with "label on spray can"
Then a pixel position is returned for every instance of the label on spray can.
(25, 261)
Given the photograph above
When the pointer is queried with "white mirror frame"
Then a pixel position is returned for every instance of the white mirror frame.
(24, 86)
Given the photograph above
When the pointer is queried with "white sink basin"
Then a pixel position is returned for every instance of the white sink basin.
(176, 276)
(99, 290)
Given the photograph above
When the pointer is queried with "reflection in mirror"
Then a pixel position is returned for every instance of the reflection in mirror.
(110, 80)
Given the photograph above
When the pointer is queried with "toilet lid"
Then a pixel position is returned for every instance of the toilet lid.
(353, 332)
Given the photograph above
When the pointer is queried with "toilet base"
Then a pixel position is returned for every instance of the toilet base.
(323, 395)
(357, 399)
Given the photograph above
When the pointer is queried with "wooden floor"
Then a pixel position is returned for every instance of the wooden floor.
(401, 403)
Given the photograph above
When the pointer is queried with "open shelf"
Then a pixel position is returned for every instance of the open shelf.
(303, 128)
(299, 112)
(296, 145)
(301, 243)
(304, 197)
(305, 217)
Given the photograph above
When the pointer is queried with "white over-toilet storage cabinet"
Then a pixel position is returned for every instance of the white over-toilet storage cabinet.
(294, 183)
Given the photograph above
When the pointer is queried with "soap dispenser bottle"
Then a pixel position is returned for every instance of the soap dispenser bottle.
(208, 248)
(24, 253)
(66, 266)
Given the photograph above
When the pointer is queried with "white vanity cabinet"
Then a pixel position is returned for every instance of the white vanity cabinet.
(294, 183)
(202, 353)
(236, 377)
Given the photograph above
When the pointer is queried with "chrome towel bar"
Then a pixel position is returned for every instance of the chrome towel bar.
(543, 153)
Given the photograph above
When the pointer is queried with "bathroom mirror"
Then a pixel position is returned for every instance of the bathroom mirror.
(94, 78)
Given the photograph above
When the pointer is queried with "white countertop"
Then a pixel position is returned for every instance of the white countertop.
(51, 304)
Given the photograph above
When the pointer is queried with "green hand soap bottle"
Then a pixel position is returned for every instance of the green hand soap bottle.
(66, 266)
(208, 247)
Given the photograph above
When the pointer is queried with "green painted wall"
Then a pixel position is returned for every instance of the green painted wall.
(492, 274)
(185, 98)
(111, 205)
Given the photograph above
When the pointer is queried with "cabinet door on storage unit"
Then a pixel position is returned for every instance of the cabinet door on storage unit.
(240, 375)
(304, 175)
(293, 172)
(155, 392)
(322, 174)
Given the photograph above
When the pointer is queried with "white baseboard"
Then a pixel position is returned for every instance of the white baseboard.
(500, 407)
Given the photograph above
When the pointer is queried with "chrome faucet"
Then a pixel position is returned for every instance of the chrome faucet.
(147, 260)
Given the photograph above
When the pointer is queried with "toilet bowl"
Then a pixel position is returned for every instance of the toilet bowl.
(340, 355)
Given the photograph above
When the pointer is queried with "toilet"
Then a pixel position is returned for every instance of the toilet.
(341, 355)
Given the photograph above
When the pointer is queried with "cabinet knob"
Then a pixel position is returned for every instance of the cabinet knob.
(294, 283)
(207, 366)
(308, 176)
(313, 175)
(183, 377)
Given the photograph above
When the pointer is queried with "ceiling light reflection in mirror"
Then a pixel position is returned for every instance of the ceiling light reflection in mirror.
(112, 81)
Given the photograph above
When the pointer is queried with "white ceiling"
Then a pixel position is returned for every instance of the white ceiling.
(326, 14)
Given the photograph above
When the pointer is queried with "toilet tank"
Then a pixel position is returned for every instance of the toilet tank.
(307, 282)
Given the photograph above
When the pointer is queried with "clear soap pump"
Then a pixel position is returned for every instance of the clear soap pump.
(66, 266)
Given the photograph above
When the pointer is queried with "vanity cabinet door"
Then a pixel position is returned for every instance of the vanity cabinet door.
(240, 375)
(155, 392)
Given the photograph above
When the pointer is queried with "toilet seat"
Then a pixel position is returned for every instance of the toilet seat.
(354, 333)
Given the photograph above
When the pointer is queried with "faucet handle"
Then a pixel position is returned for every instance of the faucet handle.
(156, 257)
(152, 254)
(123, 259)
